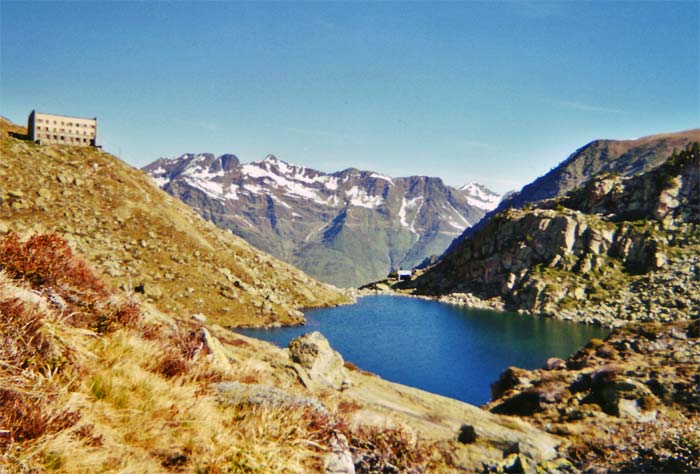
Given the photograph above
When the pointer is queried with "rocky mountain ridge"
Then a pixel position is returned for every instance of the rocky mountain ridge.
(346, 228)
(613, 250)
(621, 157)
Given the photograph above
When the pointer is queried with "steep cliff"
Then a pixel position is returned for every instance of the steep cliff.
(617, 248)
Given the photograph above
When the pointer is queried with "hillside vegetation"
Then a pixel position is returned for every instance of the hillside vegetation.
(144, 240)
(90, 382)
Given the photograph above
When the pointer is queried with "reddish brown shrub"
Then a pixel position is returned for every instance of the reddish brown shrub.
(382, 448)
(30, 417)
(22, 341)
(47, 263)
(348, 406)
(46, 260)
(178, 358)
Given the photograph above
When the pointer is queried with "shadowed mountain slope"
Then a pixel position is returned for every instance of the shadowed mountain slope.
(614, 249)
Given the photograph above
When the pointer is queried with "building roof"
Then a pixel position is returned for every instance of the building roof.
(64, 116)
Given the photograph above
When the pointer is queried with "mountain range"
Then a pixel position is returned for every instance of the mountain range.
(346, 228)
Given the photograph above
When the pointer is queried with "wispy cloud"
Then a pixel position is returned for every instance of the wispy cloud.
(587, 107)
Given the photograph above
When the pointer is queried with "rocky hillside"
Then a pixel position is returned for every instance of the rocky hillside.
(626, 404)
(615, 249)
(145, 240)
(622, 157)
(346, 228)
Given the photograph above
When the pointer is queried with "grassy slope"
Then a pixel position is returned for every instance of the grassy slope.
(142, 238)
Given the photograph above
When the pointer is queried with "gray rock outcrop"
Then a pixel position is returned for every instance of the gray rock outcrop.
(313, 354)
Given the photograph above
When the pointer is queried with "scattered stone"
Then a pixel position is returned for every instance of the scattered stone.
(199, 317)
(630, 409)
(339, 461)
(217, 353)
(555, 363)
(323, 365)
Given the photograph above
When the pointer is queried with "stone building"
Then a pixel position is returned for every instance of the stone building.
(51, 129)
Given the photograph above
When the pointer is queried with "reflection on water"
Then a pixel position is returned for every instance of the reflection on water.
(445, 349)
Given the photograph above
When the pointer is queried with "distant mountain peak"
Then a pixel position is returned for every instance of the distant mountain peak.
(481, 196)
(326, 223)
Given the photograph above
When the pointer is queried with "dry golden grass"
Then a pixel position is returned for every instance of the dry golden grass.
(86, 390)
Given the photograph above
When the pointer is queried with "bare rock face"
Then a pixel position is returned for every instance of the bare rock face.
(316, 357)
(608, 252)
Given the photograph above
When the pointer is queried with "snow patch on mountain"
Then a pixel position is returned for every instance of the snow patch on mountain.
(480, 196)
(360, 197)
(381, 176)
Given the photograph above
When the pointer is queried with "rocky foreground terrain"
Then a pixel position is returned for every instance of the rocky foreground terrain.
(615, 249)
(630, 403)
(346, 228)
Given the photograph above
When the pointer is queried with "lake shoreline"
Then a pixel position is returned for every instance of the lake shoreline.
(409, 340)
(470, 300)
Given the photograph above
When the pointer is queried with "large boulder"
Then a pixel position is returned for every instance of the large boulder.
(316, 357)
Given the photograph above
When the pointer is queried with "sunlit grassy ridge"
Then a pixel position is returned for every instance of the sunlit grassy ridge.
(143, 239)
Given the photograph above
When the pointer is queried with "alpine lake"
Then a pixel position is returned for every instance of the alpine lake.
(450, 350)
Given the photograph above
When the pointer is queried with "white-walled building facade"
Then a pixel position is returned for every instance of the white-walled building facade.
(52, 129)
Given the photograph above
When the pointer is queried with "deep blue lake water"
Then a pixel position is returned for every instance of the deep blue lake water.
(445, 349)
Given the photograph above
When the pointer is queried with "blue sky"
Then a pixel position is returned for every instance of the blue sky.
(493, 92)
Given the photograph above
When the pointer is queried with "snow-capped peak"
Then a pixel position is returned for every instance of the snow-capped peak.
(480, 196)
